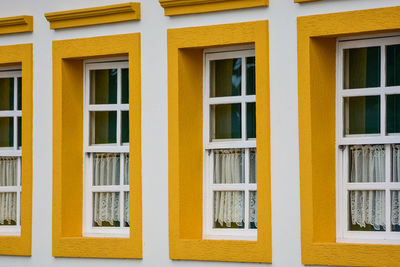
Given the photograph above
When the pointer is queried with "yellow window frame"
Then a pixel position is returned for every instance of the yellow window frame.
(317, 77)
(185, 141)
(68, 57)
(10, 56)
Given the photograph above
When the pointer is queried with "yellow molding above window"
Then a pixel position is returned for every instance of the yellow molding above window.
(16, 24)
(316, 99)
(181, 7)
(68, 57)
(185, 142)
(10, 56)
(93, 16)
(304, 1)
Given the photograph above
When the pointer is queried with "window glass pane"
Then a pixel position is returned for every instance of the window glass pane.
(395, 210)
(228, 166)
(362, 67)
(392, 65)
(362, 115)
(6, 132)
(367, 210)
(253, 166)
(396, 163)
(8, 171)
(103, 86)
(8, 208)
(251, 120)
(125, 86)
(106, 169)
(6, 93)
(126, 210)
(103, 127)
(253, 210)
(226, 120)
(225, 77)
(125, 126)
(19, 84)
(393, 113)
(106, 209)
(250, 76)
(228, 209)
(126, 169)
(367, 164)
(19, 132)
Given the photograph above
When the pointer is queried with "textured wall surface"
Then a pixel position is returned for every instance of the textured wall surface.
(153, 25)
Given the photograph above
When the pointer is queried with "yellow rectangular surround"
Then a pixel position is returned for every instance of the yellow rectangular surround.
(185, 122)
(317, 76)
(10, 56)
(68, 56)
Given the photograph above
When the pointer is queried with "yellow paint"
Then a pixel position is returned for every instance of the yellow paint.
(16, 24)
(22, 55)
(68, 56)
(316, 64)
(94, 16)
(304, 1)
(181, 7)
(185, 122)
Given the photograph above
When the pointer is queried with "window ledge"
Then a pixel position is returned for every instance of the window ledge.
(181, 7)
(16, 24)
(93, 16)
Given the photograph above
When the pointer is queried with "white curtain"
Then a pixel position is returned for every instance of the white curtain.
(228, 205)
(126, 197)
(106, 204)
(8, 200)
(368, 166)
(253, 208)
(396, 178)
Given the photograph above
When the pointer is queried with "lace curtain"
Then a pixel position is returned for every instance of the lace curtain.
(396, 194)
(106, 204)
(8, 200)
(368, 206)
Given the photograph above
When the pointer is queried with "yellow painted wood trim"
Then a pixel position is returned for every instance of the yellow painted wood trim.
(94, 16)
(185, 142)
(16, 24)
(22, 55)
(316, 99)
(304, 1)
(181, 7)
(68, 56)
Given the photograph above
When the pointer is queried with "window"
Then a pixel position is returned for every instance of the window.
(106, 148)
(368, 125)
(230, 195)
(10, 151)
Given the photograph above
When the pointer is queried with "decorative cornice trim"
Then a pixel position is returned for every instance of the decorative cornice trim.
(16, 24)
(93, 16)
(181, 7)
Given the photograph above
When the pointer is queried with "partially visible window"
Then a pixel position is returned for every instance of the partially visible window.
(106, 149)
(230, 183)
(368, 131)
(10, 152)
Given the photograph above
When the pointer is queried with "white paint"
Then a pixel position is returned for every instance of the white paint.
(284, 120)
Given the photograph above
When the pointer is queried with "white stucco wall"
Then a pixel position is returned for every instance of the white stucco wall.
(284, 120)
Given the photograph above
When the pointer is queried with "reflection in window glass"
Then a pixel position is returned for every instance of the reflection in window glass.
(225, 121)
(225, 77)
(250, 76)
(393, 113)
(6, 93)
(362, 115)
(124, 86)
(19, 85)
(125, 126)
(103, 86)
(392, 65)
(6, 132)
(362, 67)
(103, 127)
(251, 120)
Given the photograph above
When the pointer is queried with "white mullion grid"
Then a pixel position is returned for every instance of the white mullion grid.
(90, 150)
(343, 155)
(210, 146)
(14, 113)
